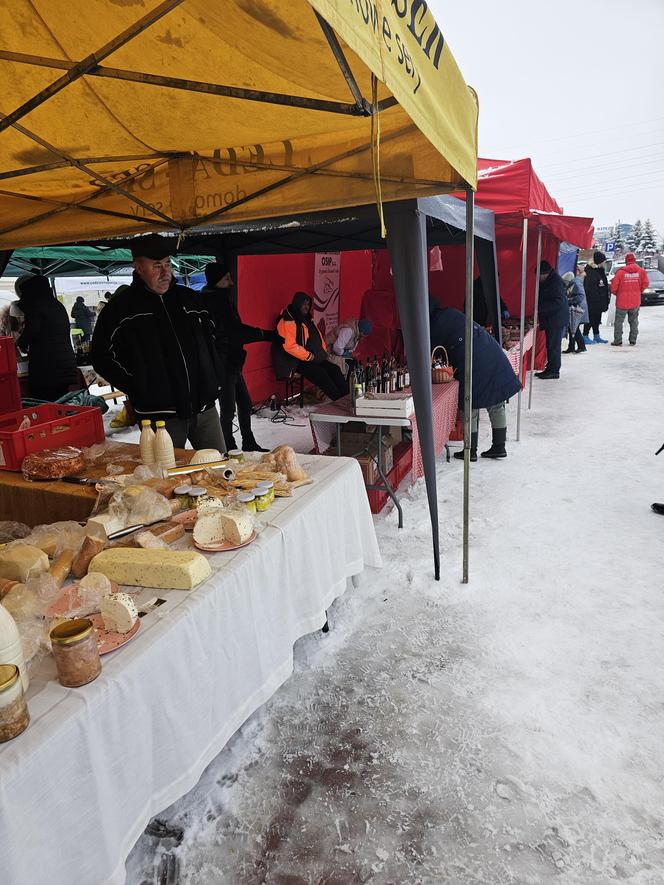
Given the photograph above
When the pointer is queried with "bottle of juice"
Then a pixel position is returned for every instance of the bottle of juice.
(147, 443)
(164, 453)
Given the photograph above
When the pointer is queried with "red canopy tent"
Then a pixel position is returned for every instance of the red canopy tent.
(514, 191)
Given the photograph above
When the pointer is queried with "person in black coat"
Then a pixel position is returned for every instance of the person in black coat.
(231, 335)
(155, 342)
(83, 316)
(494, 379)
(553, 317)
(598, 296)
(47, 340)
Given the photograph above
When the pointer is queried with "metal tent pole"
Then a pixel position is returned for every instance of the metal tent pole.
(499, 313)
(524, 260)
(537, 288)
(468, 379)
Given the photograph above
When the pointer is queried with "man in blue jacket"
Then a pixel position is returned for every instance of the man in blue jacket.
(494, 380)
(553, 317)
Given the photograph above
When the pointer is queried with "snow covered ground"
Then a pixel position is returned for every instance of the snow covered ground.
(509, 731)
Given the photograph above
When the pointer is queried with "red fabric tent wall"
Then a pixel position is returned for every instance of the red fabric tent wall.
(509, 236)
(266, 284)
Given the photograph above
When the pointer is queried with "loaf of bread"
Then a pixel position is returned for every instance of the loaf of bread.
(53, 463)
(89, 548)
(61, 567)
(169, 532)
(284, 460)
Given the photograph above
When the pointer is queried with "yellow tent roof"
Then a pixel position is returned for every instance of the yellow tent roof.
(124, 116)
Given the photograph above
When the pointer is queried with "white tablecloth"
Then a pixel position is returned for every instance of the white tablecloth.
(96, 763)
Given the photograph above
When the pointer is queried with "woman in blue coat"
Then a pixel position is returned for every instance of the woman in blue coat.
(494, 380)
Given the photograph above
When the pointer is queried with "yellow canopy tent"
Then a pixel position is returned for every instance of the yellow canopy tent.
(122, 116)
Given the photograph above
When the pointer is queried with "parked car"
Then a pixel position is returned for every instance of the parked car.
(654, 294)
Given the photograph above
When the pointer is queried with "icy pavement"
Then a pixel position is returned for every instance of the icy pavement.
(509, 731)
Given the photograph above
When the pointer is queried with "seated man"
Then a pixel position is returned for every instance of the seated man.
(343, 340)
(304, 349)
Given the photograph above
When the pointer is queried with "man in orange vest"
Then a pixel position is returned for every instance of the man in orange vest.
(304, 349)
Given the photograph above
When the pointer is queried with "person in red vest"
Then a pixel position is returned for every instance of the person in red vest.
(627, 285)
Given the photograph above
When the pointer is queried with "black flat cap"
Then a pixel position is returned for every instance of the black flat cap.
(153, 246)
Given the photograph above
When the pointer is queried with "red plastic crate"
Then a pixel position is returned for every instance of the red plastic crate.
(457, 432)
(10, 393)
(7, 356)
(52, 426)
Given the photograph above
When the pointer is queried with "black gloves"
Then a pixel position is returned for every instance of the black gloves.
(272, 336)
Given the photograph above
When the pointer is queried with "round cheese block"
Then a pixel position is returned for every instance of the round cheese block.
(206, 456)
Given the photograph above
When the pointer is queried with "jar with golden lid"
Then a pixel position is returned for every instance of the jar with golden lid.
(76, 652)
(14, 716)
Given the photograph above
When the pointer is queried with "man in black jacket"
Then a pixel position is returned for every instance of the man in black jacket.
(598, 297)
(47, 339)
(231, 336)
(553, 317)
(155, 342)
(83, 316)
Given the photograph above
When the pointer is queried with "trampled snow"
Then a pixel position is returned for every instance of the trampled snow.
(508, 731)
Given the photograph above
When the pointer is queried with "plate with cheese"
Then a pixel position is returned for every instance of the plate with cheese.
(219, 530)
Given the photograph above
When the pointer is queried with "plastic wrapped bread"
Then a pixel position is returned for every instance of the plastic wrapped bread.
(284, 460)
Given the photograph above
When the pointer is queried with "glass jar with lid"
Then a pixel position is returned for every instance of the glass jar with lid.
(248, 500)
(267, 486)
(14, 716)
(76, 652)
(262, 498)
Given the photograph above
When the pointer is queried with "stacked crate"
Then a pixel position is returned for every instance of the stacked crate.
(10, 392)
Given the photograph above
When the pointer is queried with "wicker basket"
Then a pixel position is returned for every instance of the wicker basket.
(441, 374)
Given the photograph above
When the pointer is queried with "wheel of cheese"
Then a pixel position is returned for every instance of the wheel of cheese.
(206, 456)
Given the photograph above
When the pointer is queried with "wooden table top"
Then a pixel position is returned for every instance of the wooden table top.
(37, 503)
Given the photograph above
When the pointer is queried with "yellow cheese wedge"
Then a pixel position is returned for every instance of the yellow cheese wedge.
(164, 569)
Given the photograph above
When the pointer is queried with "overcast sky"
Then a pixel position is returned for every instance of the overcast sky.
(578, 86)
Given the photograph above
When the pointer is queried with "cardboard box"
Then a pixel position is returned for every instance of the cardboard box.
(368, 465)
(353, 442)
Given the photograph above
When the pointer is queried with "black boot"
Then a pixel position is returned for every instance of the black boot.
(250, 445)
(473, 449)
(658, 508)
(497, 450)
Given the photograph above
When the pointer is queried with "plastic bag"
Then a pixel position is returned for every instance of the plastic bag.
(150, 542)
(53, 463)
(12, 531)
(54, 539)
(139, 505)
(22, 603)
(94, 453)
